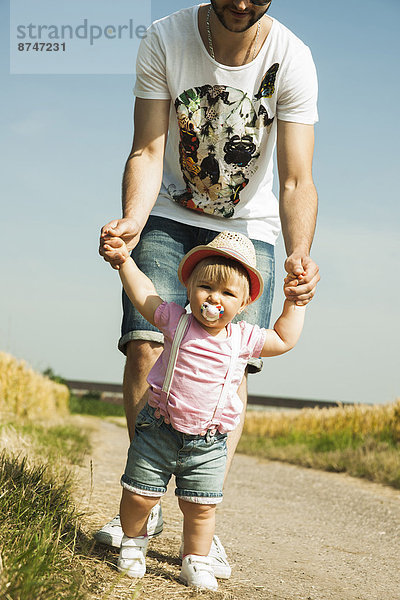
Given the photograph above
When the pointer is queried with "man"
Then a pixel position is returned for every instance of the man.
(218, 88)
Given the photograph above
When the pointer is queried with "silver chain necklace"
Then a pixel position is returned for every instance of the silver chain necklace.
(210, 42)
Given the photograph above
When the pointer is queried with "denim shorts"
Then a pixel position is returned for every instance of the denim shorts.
(159, 451)
(162, 246)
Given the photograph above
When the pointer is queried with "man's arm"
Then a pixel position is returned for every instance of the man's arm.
(298, 203)
(142, 176)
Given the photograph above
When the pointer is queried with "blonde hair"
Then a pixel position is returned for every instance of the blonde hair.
(220, 270)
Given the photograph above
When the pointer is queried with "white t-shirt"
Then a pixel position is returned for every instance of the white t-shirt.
(218, 164)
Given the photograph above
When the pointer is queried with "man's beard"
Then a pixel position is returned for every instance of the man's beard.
(253, 19)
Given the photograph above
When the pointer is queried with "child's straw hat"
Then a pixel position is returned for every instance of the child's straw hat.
(232, 245)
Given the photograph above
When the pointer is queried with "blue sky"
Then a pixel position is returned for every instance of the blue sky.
(64, 142)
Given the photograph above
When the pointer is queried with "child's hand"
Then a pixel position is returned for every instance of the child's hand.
(119, 247)
(290, 282)
(301, 280)
(128, 229)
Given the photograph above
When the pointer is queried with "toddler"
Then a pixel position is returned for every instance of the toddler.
(192, 402)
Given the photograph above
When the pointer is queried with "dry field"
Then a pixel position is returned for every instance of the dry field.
(359, 420)
(26, 393)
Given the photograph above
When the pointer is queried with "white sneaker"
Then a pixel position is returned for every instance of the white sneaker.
(132, 556)
(197, 572)
(111, 534)
(218, 559)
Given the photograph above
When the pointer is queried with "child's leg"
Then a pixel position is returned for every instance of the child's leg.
(134, 512)
(198, 527)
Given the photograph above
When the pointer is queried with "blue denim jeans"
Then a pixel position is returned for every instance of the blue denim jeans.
(159, 451)
(162, 246)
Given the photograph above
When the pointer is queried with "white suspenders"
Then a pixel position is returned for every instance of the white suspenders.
(227, 383)
(176, 342)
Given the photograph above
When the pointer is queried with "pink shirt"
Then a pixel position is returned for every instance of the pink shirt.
(201, 368)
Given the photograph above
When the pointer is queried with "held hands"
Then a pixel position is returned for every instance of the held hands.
(301, 280)
(117, 239)
(119, 250)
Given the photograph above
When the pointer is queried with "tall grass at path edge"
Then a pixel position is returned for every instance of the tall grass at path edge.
(38, 533)
(363, 441)
(40, 537)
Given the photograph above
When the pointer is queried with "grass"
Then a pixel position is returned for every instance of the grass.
(90, 404)
(44, 553)
(38, 534)
(57, 443)
(60, 440)
(40, 537)
(363, 441)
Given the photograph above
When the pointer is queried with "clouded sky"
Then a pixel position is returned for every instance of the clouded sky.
(64, 142)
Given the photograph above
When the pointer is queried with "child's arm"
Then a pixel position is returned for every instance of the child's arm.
(138, 287)
(286, 332)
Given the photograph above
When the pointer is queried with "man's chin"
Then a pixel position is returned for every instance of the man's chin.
(235, 24)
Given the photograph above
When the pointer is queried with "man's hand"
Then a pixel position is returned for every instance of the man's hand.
(110, 246)
(301, 281)
(119, 249)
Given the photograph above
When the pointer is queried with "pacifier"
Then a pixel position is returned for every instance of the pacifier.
(211, 312)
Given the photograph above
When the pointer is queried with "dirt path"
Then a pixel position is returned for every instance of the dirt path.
(290, 533)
